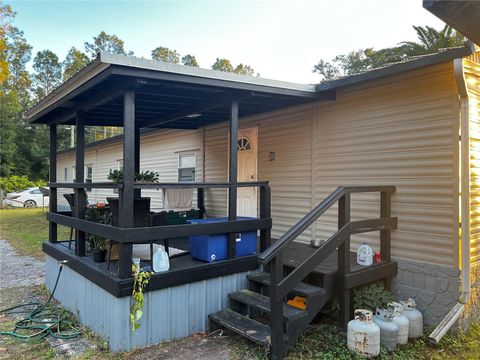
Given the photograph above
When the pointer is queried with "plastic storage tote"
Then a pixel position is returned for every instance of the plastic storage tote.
(215, 247)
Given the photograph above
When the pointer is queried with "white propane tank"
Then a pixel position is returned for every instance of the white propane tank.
(364, 255)
(161, 261)
(363, 336)
(402, 321)
(415, 318)
(388, 328)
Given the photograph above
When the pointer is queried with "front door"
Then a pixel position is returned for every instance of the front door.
(247, 171)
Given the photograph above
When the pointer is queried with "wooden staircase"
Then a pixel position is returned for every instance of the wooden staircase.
(261, 313)
(250, 310)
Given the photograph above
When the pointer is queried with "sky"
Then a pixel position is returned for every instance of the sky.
(280, 39)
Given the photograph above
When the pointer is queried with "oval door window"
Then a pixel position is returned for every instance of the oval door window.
(243, 144)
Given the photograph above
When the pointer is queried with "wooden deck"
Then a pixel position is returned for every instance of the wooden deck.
(297, 252)
(183, 269)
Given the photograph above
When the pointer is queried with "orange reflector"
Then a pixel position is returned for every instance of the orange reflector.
(298, 302)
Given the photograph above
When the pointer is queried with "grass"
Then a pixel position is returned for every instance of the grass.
(26, 229)
(324, 342)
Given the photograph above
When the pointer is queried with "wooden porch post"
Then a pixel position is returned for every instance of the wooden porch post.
(344, 262)
(52, 206)
(127, 195)
(137, 192)
(232, 176)
(79, 210)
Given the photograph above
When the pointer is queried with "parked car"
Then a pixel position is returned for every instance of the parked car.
(29, 198)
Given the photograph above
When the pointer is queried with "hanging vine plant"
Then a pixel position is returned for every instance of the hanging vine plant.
(140, 280)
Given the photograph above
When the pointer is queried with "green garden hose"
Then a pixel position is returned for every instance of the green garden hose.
(43, 320)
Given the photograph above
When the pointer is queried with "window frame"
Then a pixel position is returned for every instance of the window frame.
(88, 179)
(180, 167)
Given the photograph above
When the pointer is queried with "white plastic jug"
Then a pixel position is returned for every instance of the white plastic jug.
(364, 255)
(160, 261)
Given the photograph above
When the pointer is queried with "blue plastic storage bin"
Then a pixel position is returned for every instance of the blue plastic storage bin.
(215, 247)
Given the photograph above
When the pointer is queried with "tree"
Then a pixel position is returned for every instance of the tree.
(48, 73)
(244, 69)
(165, 54)
(223, 65)
(106, 43)
(431, 40)
(74, 61)
(189, 60)
(14, 88)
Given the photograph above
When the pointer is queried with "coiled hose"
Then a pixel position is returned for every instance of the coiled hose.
(44, 320)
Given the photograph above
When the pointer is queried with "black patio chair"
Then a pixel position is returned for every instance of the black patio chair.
(71, 202)
(141, 217)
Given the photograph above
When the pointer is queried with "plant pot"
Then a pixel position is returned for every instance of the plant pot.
(99, 255)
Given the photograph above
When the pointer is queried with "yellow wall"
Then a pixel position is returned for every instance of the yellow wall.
(402, 131)
(472, 75)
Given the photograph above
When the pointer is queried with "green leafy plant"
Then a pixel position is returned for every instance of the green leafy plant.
(371, 296)
(115, 175)
(146, 176)
(97, 242)
(16, 183)
(140, 280)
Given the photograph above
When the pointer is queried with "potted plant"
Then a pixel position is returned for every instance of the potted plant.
(116, 176)
(97, 247)
(146, 176)
(97, 243)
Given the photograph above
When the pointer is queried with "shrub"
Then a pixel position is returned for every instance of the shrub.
(16, 183)
(371, 296)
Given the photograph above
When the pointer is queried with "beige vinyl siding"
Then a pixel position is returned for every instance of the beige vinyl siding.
(472, 75)
(216, 160)
(288, 134)
(158, 152)
(400, 131)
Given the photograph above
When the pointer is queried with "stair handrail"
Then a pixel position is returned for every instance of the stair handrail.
(312, 216)
(280, 286)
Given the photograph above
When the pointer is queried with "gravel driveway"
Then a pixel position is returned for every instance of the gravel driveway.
(17, 270)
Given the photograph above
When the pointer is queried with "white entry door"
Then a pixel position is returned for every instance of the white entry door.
(247, 171)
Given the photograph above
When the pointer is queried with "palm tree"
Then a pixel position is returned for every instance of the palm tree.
(432, 40)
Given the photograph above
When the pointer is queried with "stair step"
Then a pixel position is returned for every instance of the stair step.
(261, 302)
(242, 325)
(301, 289)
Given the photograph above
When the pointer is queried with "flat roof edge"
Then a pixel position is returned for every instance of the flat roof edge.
(396, 68)
(147, 64)
(66, 87)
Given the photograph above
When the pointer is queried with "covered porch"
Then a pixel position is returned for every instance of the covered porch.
(137, 94)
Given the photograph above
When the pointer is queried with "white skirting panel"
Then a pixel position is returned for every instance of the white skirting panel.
(167, 314)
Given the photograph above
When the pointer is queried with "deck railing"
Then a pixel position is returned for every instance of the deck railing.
(273, 257)
(126, 237)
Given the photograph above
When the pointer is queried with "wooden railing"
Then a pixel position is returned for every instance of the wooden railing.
(281, 286)
(126, 237)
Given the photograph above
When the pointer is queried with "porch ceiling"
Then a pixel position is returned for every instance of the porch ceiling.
(166, 95)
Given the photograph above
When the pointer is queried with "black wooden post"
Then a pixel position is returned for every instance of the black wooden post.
(276, 305)
(344, 262)
(127, 200)
(137, 192)
(265, 213)
(52, 206)
(385, 212)
(232, 194)
(79, 209)
(201, 202)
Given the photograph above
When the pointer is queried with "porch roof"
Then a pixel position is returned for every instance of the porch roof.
(167, 95)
